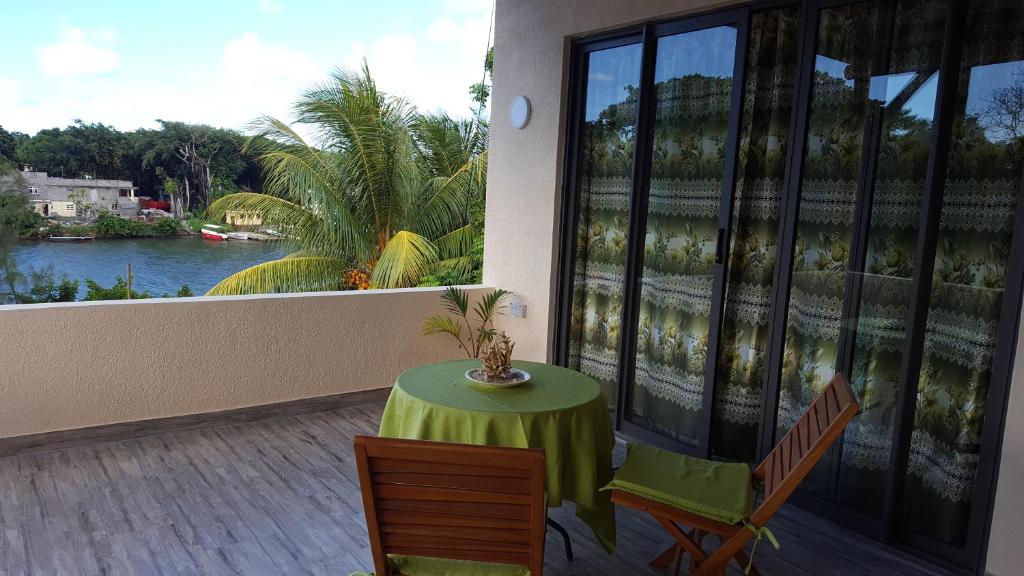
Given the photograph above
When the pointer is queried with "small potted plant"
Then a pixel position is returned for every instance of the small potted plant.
(479, 339)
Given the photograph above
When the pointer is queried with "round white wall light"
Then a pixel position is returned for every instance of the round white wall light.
(519, 112)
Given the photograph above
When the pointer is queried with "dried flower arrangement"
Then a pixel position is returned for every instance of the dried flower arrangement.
(497, 357)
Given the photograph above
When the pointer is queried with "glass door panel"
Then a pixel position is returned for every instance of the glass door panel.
(983, 180)
(693, 95)
(839, 109)
(764, 140)
(607, 137)
(903, 106)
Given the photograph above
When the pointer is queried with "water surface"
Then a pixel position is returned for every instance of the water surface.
(159, 265)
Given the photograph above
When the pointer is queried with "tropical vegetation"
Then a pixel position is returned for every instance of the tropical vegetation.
(190, 164)
(370, 192)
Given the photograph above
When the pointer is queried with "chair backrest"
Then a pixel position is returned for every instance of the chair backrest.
(453, 501)
(800, 449)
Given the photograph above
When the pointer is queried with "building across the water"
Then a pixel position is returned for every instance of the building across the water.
(63, 197)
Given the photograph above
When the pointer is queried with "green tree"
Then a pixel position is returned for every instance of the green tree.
(383, 191)
(45, 286)
(481, 91)
(17, 218)
(119, 291)
(9, 142)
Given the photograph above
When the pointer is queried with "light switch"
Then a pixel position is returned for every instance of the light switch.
(517, 308)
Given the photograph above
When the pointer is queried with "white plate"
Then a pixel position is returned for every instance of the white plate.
(524, 376)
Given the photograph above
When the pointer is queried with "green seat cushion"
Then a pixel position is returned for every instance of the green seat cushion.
(421, 566)
(717, 490)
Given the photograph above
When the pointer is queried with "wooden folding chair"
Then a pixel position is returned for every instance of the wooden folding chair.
(779, 475)
(452, 501)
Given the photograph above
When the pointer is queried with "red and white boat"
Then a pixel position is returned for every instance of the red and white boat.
(213, 232)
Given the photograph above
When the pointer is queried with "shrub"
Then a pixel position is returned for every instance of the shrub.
(119, 291)
(111, 226)
(166, 227)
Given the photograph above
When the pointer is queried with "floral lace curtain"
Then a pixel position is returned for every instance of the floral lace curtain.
(824, 227)
(764, 141)
(980, 198)
(693, 97)
(903, 97)
(609, 132)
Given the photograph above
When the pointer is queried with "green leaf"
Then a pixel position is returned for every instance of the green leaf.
(406, 258)
(300, 274)
(491, 303)
(456, 300)
(442, 325)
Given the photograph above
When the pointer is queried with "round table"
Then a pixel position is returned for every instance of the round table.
(560, 410)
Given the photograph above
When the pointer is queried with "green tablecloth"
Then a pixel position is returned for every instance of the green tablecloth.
(560, 410)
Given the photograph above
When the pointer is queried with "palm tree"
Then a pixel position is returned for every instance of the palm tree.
(381, 191)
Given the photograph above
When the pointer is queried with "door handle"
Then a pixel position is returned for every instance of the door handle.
(720, 246)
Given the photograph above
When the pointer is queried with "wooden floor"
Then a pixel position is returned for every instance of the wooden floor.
(280, 496)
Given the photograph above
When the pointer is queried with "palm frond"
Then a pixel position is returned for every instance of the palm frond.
(458, 243)
(455, 300)
(490, 304)
(445, 325)
(369, 132)
(461, 266)
(442, 325)
(301, 274)
(407, 257)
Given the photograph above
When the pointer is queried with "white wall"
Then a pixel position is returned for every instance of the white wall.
(1006, 544)
(65, 366)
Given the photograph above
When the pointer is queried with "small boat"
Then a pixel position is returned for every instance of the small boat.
(213, 232)
(70, 238)
(238, 235)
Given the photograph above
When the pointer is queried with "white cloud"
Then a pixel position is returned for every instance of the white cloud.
(434, 71)
(262, 78)
(79, 53)
(271, 6)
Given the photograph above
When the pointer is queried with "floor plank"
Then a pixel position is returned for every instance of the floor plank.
(280, 496)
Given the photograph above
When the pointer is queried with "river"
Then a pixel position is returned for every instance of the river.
(159, 265)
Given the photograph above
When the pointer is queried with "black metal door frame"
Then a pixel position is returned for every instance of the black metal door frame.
(635, 239)
(969, 559)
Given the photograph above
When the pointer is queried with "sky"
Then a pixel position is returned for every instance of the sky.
(127, 63)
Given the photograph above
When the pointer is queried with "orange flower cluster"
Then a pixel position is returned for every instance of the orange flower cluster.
(357, 280)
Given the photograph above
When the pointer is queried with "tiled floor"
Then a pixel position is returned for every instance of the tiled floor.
(280, 496)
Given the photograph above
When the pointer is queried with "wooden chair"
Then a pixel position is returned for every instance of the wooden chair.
(452, 501)
(779, 475)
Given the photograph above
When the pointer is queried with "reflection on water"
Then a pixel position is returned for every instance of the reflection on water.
(158, 265)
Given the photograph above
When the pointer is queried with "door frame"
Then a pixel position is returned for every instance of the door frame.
(967, 560)
(635, 238)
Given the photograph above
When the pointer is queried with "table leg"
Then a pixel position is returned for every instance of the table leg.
(565, 537)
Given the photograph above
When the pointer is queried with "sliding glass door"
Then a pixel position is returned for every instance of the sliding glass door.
(969, 332)
(761, 198)
(695, 78)
(770, 86)
(609, 83)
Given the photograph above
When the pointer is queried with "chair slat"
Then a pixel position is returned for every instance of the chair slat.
(393, 465)
(412, 517)
(813, 423)
(459, 509)
(404, 492)
(457, 482)
(494, 536)
(438, 541)
(458, 554)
